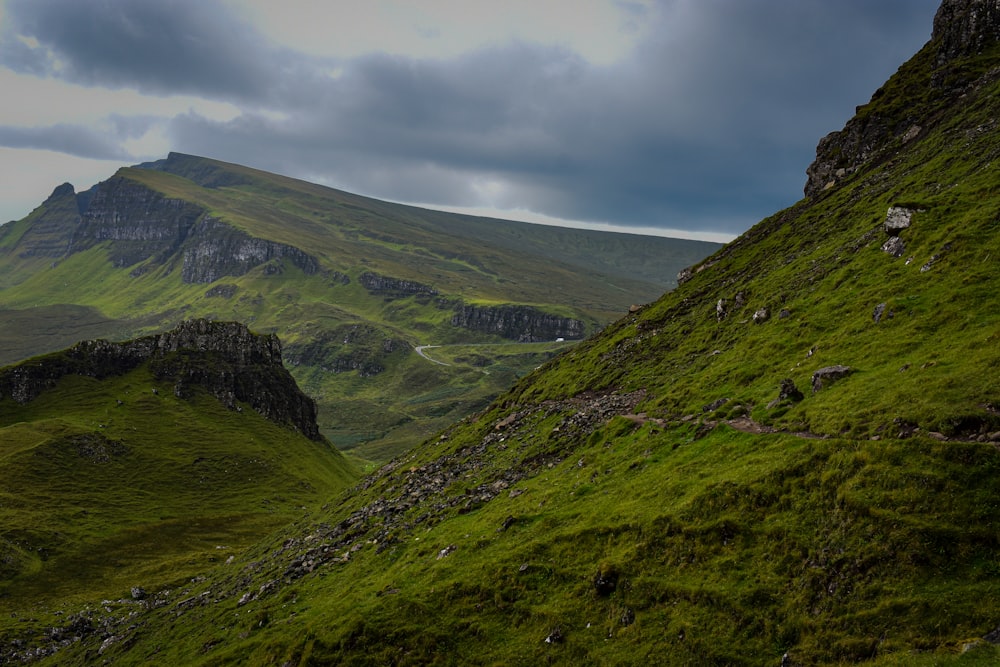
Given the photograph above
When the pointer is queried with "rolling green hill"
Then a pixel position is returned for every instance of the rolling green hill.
(351, 284)
(791, 459)
(148, 461)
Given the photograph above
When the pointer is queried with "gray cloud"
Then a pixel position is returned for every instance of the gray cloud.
(66, 138)
(161, 47)
(710, 124)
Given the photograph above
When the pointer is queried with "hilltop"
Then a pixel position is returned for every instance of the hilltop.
(352, 285)
(793, 458)
(140, 463)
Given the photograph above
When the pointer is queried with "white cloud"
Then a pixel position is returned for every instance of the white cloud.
(29, 101)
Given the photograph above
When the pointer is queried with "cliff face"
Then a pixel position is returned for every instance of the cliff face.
(216, 250)
(224, 358)
(965, 28)
(521, 323)
(898, 115)
(143, 224)
(51, 233)
(140, 223)
(394, 287)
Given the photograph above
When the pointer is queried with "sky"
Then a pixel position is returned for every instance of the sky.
(687, 118)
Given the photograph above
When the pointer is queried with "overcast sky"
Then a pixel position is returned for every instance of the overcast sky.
(692, 115)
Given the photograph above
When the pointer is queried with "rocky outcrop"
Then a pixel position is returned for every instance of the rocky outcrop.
(962, 28)
(965, 28)
(142, 224)
(524, 324)
(139, 222)
(215, 250)
(394, 287)
(224, 358)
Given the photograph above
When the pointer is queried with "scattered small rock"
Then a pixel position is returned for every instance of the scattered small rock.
(714, 405)
(894, 246)
(446, 551)
(628, 617)
(824, 377)
(789, 392)
(879, 312)
(896, 220)
(784, 313)
(761, 316)
(555, 637)
(606, 580)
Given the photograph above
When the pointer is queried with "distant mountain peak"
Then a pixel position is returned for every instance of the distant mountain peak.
(64, 190)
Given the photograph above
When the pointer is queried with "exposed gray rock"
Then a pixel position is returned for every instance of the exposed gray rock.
(896, 220)
(880, 312)
(894, 246)
(143, 224)
(525, 324)
(965, 28)
(394, 287)
(216, 249)
(714, 405)
(605, 580)
(784, 313)
(555, 637)
(762, 315)
(789, 392)
(930, 263)
(961, 28)
(824, 377)
(225, 358)
(720, 310)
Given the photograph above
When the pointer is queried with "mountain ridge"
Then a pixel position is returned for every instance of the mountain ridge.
(188, 237)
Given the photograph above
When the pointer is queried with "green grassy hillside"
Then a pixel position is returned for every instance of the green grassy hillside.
(114, 481)
(376, 396)
(693, 485)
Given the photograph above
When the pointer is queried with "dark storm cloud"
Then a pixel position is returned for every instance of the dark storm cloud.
(710, 123)
(159, 47)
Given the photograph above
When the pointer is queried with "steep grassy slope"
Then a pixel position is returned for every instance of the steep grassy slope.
(351, 284)
(661, 493)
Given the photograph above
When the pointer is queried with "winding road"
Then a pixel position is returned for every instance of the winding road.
(420, 350)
